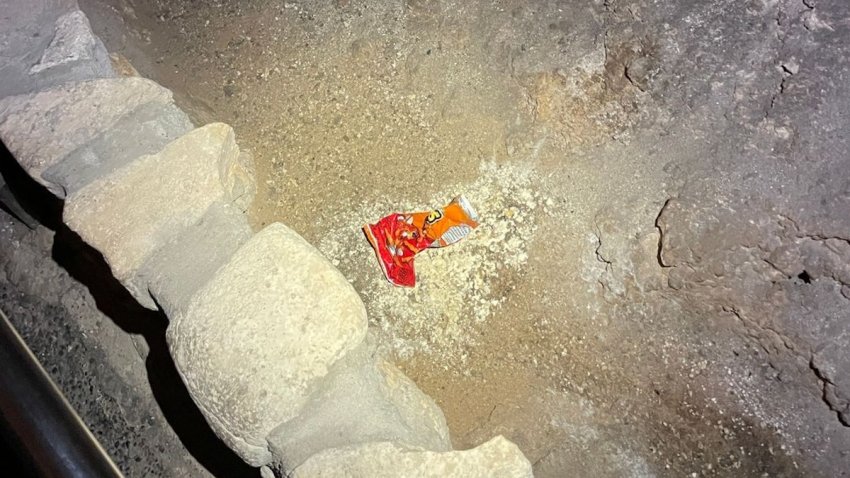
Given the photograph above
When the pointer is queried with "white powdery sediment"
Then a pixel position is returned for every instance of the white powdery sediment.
(457, 287)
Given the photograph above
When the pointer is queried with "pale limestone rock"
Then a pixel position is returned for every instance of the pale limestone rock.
(363, 399)
(42, 128)
(145, 130)
(176, 271)
(258, 339)
(137, 209)
(498, 458)
(44, 43)
(73, 42)
(26, 27)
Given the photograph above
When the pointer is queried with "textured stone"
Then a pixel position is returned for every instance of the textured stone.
(73, 54)
(259, 337)
(143, 131)
(363, 385)
(137, 209)
(26, 25)
(185, 264)
(498, 458)
(41, 129)
(26, 29)
(72, 41)
(831, 362)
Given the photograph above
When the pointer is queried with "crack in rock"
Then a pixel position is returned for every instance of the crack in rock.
(659, 256)
(830, 395)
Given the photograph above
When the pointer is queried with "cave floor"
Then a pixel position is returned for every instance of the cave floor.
(570, 126)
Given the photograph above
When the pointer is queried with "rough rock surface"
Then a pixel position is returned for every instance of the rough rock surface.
(260, 336)
(782, 283)
(26, 28)
(137, 209)
(176, 271)
(41, 129)
(143, 131)
(498, 458)
(45, 43)
(363, 399)
(74, 53)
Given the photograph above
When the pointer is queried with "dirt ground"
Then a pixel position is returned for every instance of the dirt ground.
(570, 126)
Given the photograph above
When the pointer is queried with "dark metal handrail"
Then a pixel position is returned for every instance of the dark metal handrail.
(36, 416)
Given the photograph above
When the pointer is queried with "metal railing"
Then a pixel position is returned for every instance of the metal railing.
(36, 416)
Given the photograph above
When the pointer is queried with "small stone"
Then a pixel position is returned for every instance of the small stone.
(639, 72)
(265, 472)
(813, 23)
(791, 67)
(675, 280)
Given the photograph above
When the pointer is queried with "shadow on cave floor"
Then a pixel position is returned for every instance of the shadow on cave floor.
(87, 266)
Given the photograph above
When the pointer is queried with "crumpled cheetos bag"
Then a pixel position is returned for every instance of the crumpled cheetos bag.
(397, 238)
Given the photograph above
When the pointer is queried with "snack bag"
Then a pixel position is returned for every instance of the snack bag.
(397, 238)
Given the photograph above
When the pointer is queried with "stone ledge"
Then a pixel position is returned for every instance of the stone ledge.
(146, 130)
(130, 213)
(42, 129)
(259, 337)
(177, 271)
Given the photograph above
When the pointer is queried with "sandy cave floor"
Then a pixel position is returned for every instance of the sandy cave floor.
(553, 323)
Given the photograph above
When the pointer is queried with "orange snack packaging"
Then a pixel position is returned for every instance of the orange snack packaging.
(397, 238)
